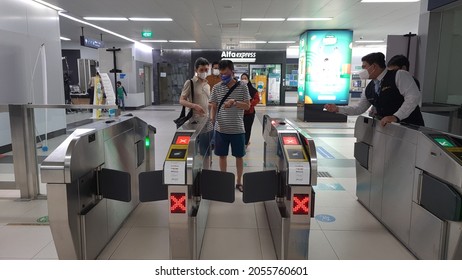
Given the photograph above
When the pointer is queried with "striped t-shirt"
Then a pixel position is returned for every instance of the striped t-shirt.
(230, 120)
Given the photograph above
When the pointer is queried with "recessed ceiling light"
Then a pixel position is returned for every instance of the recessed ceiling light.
(50, 5)
(154, 41)
(263, 19)
(104, 30)
(293, 47)
(252, 42)
(149, 19)
(281, 42)
(369, 41)
(388, 1)
(64, 38)
(181, 41)
(309, 19)
(106, 18)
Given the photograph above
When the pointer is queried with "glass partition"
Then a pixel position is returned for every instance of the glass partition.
(448, 89)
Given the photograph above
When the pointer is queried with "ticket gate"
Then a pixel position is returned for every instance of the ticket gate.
(410, 179)
(89, 181)
(285, 186)
(189, 187)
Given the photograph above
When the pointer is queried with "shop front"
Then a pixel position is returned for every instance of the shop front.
(265, 68)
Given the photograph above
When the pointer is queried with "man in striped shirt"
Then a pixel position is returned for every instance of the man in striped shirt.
(229, 119)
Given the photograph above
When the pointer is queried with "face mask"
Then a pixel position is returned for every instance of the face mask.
(244, 82)
(215, 72)
(226, 79)
(202, 75)
(364, 75)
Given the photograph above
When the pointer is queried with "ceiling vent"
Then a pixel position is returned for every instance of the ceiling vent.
(229, 25)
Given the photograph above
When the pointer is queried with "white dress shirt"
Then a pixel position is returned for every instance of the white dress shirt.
(406, 86)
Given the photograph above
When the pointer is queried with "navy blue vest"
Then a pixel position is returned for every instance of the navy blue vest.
(390, 100)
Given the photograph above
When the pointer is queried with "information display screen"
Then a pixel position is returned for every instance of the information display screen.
(324, 71)
(444, 141)
(177, 154)
(290, 140)
(295, 154)
(182, 140)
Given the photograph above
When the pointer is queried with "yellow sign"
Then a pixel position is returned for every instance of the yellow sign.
(177, 153)
(261, 85)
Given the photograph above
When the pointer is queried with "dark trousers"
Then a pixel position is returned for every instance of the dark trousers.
(248, 122)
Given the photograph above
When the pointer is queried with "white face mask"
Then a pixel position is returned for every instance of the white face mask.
(364, 75)
(215, 72)
(245, 82)
(202, 75)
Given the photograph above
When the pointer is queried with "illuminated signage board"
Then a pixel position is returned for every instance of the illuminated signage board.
(91, 43)
(325, 66)
(239, 56)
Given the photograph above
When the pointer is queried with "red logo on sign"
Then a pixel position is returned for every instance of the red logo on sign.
(290, 140)
(300, 202)
(178, 203)
(182, 140)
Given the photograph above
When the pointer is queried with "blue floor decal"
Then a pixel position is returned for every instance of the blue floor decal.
(328, 187)
(325, 218)
(323, 152)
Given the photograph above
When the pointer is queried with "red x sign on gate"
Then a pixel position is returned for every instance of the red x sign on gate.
(300, 204)
(177, 203)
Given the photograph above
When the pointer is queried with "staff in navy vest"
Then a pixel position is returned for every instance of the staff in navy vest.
(393, 93)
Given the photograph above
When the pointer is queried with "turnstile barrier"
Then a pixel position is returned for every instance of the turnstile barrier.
(285, 186)
(89, 183)
(410, 179)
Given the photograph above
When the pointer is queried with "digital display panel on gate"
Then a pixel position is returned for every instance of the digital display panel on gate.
(290, 140)
(182, 140)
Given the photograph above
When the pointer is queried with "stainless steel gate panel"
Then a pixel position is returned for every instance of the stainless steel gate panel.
(427, 234)
(398, 183)
(377, 165)
(82, 218)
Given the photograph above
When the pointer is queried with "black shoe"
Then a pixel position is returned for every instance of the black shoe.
(240, 187)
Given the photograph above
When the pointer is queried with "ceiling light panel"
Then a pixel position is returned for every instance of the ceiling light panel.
(182, 41)
(64, 38)
(105, 18)
(154, 41)
(252, 42)
(149, 19)
(309, 19)
(263, 19)
(281, 42)
(49, 5)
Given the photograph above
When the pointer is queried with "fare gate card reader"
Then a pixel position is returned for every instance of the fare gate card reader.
(299, 165)
(175, 163)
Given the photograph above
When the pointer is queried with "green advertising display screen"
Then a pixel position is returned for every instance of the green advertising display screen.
(325, 66)
(443, 141)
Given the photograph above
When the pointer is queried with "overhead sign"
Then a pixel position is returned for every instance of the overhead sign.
(146, 34)
(91, 43)
(239, 56)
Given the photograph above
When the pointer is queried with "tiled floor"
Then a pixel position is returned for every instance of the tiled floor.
(234, 231)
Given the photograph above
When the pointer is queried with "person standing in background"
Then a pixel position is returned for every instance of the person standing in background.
(249, 115)
(400, 62)
(120, 95)
(196, 96)
(214, 78)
